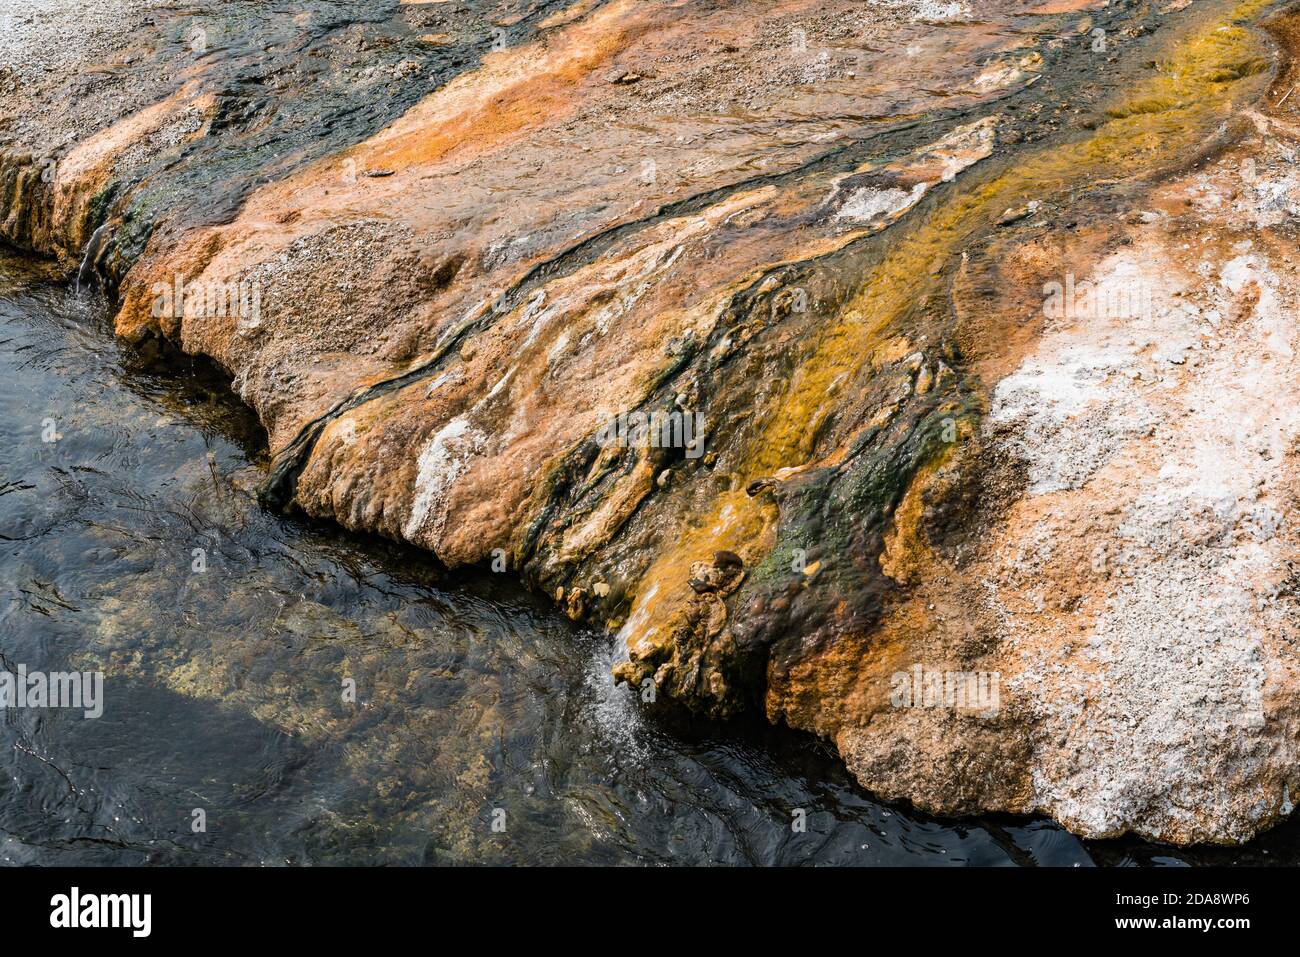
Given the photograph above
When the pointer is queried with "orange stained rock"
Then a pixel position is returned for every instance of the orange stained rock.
(1174, 112)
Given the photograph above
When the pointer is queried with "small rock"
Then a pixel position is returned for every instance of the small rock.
(1017, 213)
(723, 575)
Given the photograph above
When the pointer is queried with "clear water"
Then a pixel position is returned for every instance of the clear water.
(224, 687)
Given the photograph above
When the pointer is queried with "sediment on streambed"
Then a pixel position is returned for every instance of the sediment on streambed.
(710, 217)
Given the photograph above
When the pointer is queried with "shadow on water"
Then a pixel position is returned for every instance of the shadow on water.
(133, 544)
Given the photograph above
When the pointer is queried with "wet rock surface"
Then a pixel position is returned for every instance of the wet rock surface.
(754, 334)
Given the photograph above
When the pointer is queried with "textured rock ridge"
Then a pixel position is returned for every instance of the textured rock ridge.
(919, 373)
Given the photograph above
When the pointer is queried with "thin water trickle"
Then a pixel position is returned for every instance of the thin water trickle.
(88, 274)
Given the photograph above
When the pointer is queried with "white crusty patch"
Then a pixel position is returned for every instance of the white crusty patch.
(867, 203)
(1181, 426)
(441, 462)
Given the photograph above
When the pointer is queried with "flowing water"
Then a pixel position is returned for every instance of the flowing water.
(224, 687)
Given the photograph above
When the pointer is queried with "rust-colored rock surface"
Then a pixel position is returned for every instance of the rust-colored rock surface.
(921, 373)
